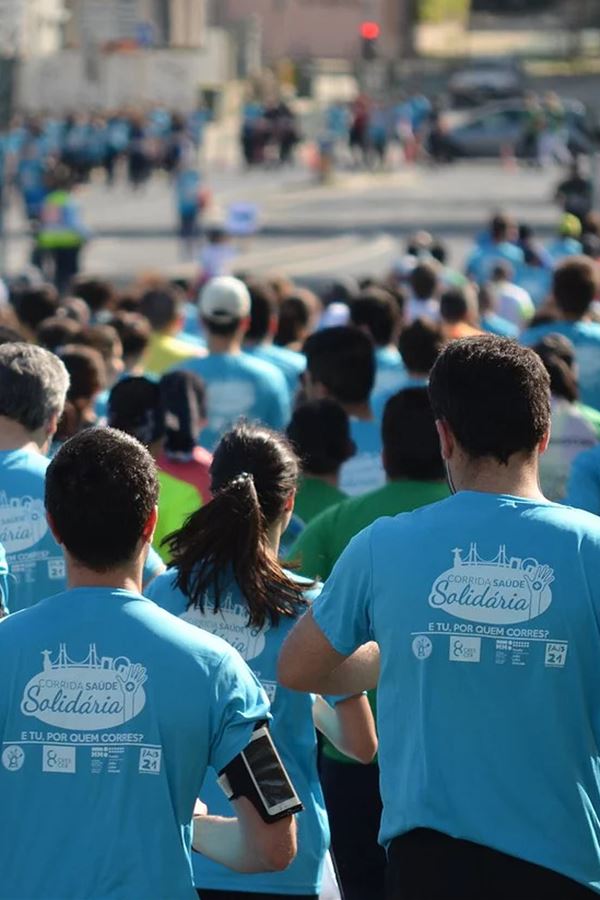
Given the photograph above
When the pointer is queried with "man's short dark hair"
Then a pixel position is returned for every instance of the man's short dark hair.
(263, 309)
(320, 433)
(103, 338)
(87, 371)
(161, 306)
(33, 385)
(57, 331)
(101, 488)
(411, 447)
(98, 293)
(454, 305)
(424, 280)
(494, 395)
(575, 285)
(420, 344)
(342, 359)
(134, 331)
(378, 312)
(33, 305)
(500, 226)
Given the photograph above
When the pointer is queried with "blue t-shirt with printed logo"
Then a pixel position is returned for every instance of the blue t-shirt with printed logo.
(364, 471)
(486, 609)
(585, 336)
(292, 730)
(115, 713)
(36, 562)
(239, 386)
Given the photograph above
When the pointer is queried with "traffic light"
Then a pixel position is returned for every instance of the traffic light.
(369, 32)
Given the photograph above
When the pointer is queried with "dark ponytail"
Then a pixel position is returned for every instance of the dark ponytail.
(558, 355)
(254, 471)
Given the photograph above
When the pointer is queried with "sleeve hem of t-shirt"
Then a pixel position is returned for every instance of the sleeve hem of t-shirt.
(243, 728)
(344, 649)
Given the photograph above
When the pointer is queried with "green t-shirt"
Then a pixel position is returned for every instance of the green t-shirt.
(592, 415)
(323, 541)
(176, 501)
(312, 497)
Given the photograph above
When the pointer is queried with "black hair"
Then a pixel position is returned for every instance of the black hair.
(420, 344)
(101, 488)
(86, 370)
(342, 359)
(294, 319)
(134, 331)
(411, 447)
(439, 252)
(184, 401)
(500, 226)
(135, 406)
(263, 308)
(454, 305)
(33, 305)
(424, 280)
(320, 433)
(97, 293)
(57, 331)
(575, 285)
(494, 395)
(161, 306)
(378, 312)
(221, 329)
(558, 355)
(253, 473)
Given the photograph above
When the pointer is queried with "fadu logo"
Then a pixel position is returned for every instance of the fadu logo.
(499, 591)
(97, 692)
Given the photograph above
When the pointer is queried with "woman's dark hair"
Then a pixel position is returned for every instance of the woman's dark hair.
(320, 433)
(184, 401)
(558, 355)
(253, 473)
(87, 374)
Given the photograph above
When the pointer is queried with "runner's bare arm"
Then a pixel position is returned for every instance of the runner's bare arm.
(308, 662)
(349, 726)
(247, 843)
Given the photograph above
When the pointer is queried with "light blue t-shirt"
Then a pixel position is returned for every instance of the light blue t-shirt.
(364, 471)
(483, 259)
(486, 609)
(495, 324)
(562, 247)
(585, 336)
(239, 386)
(292, 730)
(36, 562)
(583, 488)
(290, 363)
(390, 373)
(116, 711)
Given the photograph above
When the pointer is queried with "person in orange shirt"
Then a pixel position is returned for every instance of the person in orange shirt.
(458, 312)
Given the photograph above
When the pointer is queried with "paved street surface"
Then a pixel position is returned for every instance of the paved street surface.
(357, 225)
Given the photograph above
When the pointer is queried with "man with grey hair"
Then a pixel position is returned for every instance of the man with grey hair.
(33, 387)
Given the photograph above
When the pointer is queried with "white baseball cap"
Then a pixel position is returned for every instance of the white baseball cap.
(224, 299)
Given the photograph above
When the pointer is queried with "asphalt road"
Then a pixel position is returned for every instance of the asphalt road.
(357, 225)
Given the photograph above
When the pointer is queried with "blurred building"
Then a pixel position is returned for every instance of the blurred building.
(301, 29)
(145, 23)
(31, 27)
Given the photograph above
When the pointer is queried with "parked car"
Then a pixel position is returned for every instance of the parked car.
(491, 130)
(485, 79)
